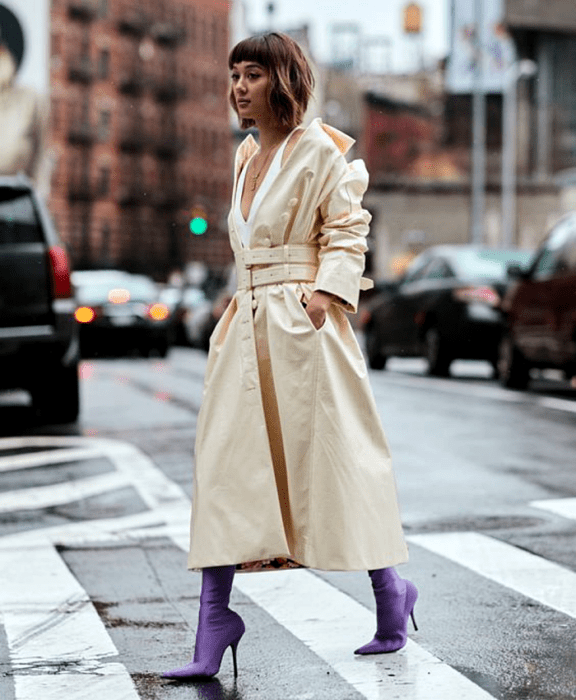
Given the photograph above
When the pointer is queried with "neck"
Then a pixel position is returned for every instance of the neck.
(271, 134)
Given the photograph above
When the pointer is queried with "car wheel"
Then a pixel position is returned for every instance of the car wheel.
(513, 370)
(162, 348)
(437, 355)
(376, 360)
(56, 394)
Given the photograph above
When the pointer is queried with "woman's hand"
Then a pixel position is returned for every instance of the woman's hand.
(317, 308)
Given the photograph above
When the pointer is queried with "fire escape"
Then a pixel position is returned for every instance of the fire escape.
(150, 142)
(81, 132)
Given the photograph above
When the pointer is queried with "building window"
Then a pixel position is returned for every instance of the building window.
(105, 243)
(104, 126)
(104, 64)
(104, 181)
(55, 113)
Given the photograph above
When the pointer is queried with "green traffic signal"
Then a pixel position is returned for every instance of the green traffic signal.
(198, 225)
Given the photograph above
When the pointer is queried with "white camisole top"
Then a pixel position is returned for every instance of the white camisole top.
(244, 226)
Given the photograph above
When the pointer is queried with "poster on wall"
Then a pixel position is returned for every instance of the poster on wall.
(498, 51)
(25, 31)
(24, 89)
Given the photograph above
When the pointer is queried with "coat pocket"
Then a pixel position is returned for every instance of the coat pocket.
(303, 296)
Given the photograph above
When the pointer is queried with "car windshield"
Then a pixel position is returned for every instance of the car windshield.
(18, 220)
(91, 291)
(193, 296)
(488, 264)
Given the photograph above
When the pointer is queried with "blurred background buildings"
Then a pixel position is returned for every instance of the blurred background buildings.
(140, 134)
(139, 130)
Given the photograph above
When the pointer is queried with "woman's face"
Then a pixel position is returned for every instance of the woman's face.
(250, 88)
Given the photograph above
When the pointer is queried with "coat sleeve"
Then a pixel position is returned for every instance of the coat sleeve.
(343, 231)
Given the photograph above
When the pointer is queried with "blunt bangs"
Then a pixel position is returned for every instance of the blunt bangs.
(253, 49)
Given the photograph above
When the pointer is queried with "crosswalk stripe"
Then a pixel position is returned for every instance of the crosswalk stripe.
(558, 404)
(331, 624)
(566, 507)
(50, 620)
(545, 582)
(37, 459)
(54, 632)
(59, 494)
(112, 682)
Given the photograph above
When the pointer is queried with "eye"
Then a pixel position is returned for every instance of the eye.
(234, 76)
(253, 76)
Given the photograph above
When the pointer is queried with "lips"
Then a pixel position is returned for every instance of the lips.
(242, 103)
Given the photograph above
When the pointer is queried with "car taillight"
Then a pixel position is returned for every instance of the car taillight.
(482, 294)
(158, 312)
(59, 272)
(84, 314)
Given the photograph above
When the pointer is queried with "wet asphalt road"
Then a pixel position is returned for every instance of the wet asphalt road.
(487, 483)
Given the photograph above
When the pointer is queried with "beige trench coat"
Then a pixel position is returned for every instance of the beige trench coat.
(291, 458)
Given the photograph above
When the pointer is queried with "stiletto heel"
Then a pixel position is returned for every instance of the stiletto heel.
(414, 620)
(234, 647)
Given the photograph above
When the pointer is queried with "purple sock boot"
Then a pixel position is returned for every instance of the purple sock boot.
(395, 599)
(218, 626)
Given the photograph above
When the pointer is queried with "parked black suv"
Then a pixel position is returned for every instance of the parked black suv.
(38, 333)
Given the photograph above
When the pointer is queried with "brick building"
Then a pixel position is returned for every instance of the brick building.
(140, 131)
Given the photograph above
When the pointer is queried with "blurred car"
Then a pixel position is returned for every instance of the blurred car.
(540, 311)
(445, 307)
(200, 324)
(38, 335)
(183, 303)
(120, 311)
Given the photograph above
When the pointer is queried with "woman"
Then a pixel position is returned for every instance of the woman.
(292, 465)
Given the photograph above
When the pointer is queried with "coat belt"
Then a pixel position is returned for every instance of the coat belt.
(287, 263)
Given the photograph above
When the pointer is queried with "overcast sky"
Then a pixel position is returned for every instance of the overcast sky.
(376, 18)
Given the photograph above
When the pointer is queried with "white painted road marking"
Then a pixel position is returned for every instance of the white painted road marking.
(59, 494)
(558, 404)
(112, 682)
(39, 459)
(332, 624)
(49, 618)
(566, 507)
(49, 622)
(490, 392)
(545, 582)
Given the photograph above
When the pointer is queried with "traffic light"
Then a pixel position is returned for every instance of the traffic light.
(198, 220)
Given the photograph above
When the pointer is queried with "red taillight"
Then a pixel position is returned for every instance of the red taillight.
(84, 314)
(59, 272)
(485, 295)
(158, 312)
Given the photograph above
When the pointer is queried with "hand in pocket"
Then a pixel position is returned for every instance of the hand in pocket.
(317, 308)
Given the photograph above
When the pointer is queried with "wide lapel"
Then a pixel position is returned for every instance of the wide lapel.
(245, 150)
(312, 133)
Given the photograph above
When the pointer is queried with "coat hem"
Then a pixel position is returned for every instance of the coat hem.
(284, 563)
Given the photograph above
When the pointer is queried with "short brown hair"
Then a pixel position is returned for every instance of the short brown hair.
(291, 78)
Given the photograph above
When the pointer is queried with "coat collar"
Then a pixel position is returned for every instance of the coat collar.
(316, 129)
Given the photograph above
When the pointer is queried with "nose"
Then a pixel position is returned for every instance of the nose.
(240, 85)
